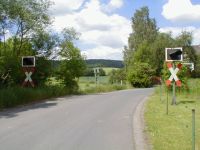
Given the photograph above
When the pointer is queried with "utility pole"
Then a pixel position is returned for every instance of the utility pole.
(174, 90)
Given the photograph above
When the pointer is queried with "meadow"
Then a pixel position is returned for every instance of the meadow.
(173, 131)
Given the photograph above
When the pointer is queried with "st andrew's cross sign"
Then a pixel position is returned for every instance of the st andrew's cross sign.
(173, 74)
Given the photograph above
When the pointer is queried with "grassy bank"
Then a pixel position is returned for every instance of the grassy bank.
(15, 96)
(173, 131)
(88, 85)
(103, 88)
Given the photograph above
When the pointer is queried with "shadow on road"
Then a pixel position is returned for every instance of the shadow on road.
(10, 113)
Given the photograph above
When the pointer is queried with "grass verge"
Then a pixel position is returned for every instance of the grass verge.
(103, 88)
(173, 131)
(15, 96)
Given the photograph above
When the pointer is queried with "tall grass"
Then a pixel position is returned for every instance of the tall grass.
(11, 97)
(103, 88)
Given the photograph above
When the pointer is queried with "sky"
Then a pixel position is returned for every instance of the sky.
(105, 25)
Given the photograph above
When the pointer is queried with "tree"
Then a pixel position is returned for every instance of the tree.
(23, 19)
(139, 43)
(144, 33)
(144, 29)
(73, 63)
(157, 50)
(185, 40)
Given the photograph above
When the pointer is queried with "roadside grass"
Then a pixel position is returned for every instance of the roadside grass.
(101, 80)
(88, 85)
(103, 88)
(15, 96)
(173, 131)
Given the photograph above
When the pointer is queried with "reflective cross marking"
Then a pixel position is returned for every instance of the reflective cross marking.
(28, 72)
(173, 75)
(28, 76)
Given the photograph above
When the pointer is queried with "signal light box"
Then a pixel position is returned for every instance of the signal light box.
(174, 54)
(28, 61)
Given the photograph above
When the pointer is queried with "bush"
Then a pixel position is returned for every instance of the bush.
(11, 72)
(140, 75)
(43, 71)
(116, 76)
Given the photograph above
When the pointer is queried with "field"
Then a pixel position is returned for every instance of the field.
(108, 70)
(173, 131)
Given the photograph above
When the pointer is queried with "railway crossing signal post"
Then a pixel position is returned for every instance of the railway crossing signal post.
(28, 66)
(173, 55)
(96, 74)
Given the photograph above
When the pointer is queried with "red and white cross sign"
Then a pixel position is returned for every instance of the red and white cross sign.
(28, 72)
(173, 74)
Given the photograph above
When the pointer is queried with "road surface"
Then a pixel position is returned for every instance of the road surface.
(89, 122)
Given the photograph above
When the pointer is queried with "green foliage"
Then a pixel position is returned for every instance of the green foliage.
(43, 71)
(147, 45)
(117, 75)
(26, 17)
(144, 28)
(157, 51)
(11, 71)
(196, 72)
(143, 53)
(73, 66)
(90, 72)
(140, 75)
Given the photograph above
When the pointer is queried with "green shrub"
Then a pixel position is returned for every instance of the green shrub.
(140, 75)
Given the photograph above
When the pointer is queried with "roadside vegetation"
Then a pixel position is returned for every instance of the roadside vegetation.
(25, 30)
(145, 65)
(144, 56)
(173, 131)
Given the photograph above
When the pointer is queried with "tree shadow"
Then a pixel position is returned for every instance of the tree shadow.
(14, 112)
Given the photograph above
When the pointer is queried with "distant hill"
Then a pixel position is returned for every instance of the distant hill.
(104, 63)
(96, 63)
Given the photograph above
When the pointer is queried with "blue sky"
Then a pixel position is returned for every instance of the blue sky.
(106, 24)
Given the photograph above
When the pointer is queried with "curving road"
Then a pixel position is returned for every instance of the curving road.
(94, 122)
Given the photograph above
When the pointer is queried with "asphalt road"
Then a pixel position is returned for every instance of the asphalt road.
(94, 122)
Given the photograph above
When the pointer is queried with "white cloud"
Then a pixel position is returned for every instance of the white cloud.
(181, 11)
(107, 33)
(103, 52)
(112, 5)
(61, 7)
(177, 31)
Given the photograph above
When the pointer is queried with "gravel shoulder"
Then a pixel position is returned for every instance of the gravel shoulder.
(141, 140)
